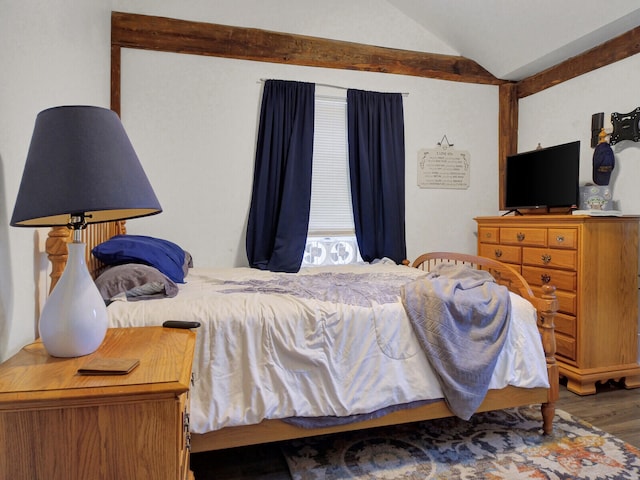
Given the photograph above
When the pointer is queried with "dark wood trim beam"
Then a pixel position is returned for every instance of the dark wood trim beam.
(616, 49)
(507, 133)
(181, 36)
(198, 38)
(115, 78)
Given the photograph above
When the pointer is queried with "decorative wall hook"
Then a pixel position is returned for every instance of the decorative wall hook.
(445, 139)
(597, 124)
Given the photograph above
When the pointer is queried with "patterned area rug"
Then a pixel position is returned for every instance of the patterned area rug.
(507, 444)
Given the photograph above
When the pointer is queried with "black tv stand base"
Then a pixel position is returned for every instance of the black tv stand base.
(515, 212)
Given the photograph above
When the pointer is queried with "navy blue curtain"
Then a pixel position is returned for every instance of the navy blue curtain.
(279, 212)
(376, 165)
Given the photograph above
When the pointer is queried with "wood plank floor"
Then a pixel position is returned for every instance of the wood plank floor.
(613, 409)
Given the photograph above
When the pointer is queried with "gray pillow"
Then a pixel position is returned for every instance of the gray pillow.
(135, 281)
(188, 263)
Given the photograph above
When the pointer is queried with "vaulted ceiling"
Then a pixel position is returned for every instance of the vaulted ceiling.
(514, 39)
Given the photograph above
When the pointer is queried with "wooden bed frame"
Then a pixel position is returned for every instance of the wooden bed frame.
(276, 430)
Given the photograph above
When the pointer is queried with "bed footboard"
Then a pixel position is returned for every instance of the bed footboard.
(546, 306)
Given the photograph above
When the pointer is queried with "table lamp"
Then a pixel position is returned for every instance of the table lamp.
(81, 168)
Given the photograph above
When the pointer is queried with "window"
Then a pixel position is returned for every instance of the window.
(331, 238)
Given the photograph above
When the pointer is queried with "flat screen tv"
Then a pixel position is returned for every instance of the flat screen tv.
(543, 178)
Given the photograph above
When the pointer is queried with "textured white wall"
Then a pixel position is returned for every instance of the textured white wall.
(52, 53)
(563, 114)
(193, 122)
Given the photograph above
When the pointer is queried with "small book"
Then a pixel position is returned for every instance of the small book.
(109, 366)
(598, 213)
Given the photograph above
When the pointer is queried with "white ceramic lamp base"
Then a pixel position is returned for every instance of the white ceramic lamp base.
(74, 319)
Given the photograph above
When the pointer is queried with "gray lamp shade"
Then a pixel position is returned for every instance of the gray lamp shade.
(81, 162)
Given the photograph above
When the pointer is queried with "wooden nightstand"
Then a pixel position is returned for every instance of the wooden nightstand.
(58, 424)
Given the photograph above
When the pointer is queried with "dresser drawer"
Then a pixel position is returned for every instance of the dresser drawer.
(561, 279)
(563, 238)
(536, 237)
(565, 324)
(503, 253)
(549, 257)
(566, 300)
(489, 234)
(566, 346)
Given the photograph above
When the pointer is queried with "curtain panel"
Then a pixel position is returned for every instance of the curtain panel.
(279, 212)
(375, 123)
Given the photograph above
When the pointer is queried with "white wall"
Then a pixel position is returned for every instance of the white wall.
(56, 52)
(194, 120)
(51, 53)
(563, 113)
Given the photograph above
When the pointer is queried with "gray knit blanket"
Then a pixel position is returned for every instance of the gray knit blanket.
(461, 318)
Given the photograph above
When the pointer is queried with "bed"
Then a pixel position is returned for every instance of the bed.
(289, 389)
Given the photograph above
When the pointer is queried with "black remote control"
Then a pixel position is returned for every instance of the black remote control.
(180, 324)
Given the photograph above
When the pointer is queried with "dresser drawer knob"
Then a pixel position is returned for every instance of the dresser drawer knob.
(546, 258)
(545, 278)
(560, 238)
(520, 237)
(498, 253)
(487, 235)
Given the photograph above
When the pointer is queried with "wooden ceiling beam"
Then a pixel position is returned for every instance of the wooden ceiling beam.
(616, 49)
(181, 36)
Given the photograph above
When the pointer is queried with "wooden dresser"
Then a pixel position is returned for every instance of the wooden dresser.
(57, 424)
(593, 263)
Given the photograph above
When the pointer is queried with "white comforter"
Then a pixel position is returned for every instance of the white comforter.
(264, 353)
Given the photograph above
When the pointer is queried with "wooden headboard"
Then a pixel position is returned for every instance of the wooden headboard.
(94, 234)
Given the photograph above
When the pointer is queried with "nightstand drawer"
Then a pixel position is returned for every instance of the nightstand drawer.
(548, 257)
(184, 439)
(504, 253)
(536, 237)
(563, 237)
(489, 234)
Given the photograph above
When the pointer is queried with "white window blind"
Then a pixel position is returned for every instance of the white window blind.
(331, 212)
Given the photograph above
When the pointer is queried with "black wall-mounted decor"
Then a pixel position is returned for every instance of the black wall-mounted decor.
(626, 126)
(597, 122)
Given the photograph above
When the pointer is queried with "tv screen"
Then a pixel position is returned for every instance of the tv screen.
(547, 177)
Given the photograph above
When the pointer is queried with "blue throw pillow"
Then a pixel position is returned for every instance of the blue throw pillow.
(164, 255)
